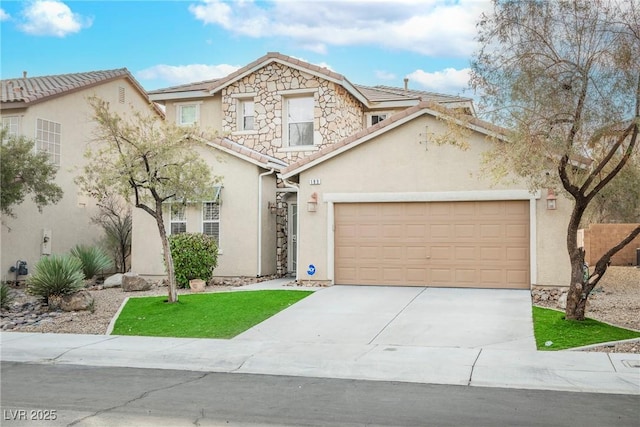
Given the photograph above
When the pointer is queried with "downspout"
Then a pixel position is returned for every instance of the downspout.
(295, 189)
(259, 272)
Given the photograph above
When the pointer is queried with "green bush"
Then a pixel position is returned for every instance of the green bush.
(194, 255)
(93, 259)
(6, 296)
(56, 275)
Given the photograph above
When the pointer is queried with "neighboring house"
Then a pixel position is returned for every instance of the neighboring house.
(343, 183)
(53, 111)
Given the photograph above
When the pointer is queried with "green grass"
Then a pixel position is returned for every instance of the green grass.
(550, 326)
(212, 315)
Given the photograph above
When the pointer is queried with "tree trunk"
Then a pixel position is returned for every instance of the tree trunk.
(576, 297)
(168, 259)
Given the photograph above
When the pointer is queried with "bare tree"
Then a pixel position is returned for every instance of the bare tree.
(114, 216)
(564, 78)
(145, 159)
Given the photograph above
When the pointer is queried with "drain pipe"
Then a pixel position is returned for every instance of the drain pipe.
(269, 172)
(295, 189)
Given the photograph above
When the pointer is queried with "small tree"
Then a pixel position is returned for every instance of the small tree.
(114, 217)
(564, 78)
(148, 160)
(23, 172)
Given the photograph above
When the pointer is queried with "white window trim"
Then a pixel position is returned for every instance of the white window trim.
(210, 221)
(179, 105)
(37, 142)
(240, 116)
(172, 221)
(302, 93)
(369, 116)
(18, 118)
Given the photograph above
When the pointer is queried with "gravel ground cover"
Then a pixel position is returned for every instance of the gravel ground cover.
(616, 300)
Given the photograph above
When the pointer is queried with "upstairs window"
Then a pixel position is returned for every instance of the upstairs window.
(12, 125)
(48, 139)
(300, 121)
(178, 218)
(377, 118)
(188, 114)
(247, 115)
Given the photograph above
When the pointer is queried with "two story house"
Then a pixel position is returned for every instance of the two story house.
(52, 111)
(341, 183)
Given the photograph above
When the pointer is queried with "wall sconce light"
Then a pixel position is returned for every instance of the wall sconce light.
(551, 199)
(312, 204)
(273, 208)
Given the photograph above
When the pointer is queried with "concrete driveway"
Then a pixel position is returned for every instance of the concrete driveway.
(405, 316)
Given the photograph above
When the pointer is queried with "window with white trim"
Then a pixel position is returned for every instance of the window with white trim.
(188, 114)
(211, 220)
(211, 215)
(12, 125)
(247, 115)
(178, 218)
(48, 139)
(377, 118)
(300, 121)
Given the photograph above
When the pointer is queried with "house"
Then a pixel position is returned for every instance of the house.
(346, 184)
(52, 110)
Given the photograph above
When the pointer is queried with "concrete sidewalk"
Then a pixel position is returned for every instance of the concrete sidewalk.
(568, 371)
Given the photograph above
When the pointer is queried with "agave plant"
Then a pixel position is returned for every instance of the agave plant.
(56, 275)
(6, 296)
(93, 259)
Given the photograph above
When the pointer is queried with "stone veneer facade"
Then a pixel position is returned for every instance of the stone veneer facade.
(337, 113)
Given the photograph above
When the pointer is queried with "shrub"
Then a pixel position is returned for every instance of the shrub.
(93, 259)
(195, 255)
(6, 296)
(56, 275)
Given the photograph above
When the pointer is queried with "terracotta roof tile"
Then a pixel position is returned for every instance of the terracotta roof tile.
(32, 89)
(267, 161)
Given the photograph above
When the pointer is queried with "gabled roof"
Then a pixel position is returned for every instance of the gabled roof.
(203, 86)
(246, 154)
(424, 107)
(381, 93)
(26, 91)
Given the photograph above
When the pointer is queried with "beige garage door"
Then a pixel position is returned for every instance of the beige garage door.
(449, 244)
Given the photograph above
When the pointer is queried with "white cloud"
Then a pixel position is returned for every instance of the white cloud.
(51, 18)
(449, 80)
(4, 16)
(435, 27)
(179, 74)
(384, 75)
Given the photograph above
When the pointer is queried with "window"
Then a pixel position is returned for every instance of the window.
(48, 139)
(300, 121)
(376, 118)
(211, 220)
(12, 125)
(178, 218)
(188, 114)
(246, 115)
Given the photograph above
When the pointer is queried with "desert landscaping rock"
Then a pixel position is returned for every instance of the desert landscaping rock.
(78, 301)
(114, 281)
(131, 282)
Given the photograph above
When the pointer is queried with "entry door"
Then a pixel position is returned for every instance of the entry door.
(292, 254)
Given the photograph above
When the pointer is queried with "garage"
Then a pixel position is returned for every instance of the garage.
(479, 244)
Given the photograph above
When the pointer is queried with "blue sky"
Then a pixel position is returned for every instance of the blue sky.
(165, 43)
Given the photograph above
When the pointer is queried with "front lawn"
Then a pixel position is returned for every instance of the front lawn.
(211, 315)
(549, 326)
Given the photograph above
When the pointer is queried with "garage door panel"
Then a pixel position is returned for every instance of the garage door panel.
(465, 244)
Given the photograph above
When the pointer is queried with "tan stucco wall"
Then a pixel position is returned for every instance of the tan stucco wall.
(210, 119)
(69, 220)
(238, 222)
(400, 161)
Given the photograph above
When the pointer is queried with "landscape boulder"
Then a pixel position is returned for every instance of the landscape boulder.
(113, 281)
(81, 300)
(131, 282)
(197, 285)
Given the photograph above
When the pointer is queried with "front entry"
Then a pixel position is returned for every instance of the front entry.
(292, 243)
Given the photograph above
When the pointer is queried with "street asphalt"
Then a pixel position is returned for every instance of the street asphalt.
(413, 335)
